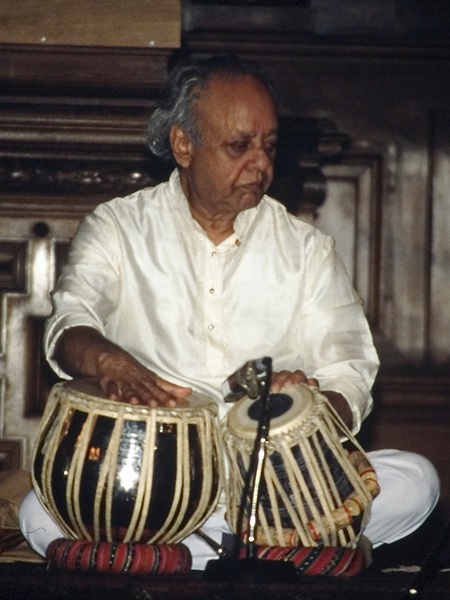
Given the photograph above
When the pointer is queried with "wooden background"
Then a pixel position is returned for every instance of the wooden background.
(365, 97)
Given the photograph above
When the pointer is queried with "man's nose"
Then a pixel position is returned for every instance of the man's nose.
(263, 159)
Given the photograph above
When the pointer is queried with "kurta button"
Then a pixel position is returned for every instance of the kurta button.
(213, 253)
(210, 327)
(212, 290)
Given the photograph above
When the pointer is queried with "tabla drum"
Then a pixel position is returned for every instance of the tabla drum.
(314, 491)
(110, 471)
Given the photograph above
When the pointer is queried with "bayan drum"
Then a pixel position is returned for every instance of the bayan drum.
(313, 492)
(110, 471)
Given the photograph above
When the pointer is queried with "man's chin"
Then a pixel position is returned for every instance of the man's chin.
(251, 199)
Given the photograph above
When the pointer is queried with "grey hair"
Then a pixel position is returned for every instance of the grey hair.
(184, 88)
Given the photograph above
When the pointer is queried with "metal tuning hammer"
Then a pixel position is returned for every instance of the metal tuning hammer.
(248, 380)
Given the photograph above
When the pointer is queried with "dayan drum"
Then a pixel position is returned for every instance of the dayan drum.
(117, 472)
(313, 490)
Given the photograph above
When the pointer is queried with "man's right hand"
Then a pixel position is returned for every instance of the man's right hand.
(84, 352)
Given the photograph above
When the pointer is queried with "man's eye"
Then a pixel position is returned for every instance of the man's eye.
(239, 147)
(271, 148)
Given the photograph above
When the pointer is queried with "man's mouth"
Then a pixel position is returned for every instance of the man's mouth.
(255, 187)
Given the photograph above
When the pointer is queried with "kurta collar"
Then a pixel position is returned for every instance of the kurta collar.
(242, 222)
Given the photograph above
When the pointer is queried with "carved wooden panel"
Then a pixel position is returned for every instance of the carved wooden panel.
(439, 301)
(352, 215)
(137, 23)
(39, 376)
(23, 311)
(12, 266)
(10, 455)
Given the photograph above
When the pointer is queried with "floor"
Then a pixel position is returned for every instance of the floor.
(420, 563)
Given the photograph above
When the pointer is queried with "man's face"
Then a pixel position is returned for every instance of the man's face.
(233, 166)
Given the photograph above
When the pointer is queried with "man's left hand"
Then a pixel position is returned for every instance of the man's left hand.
(286, 379)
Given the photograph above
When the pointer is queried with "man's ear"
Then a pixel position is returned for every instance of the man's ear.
(181, 146)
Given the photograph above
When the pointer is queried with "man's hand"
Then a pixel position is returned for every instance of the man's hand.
(84, 352)
(292, 378)
(124, 379)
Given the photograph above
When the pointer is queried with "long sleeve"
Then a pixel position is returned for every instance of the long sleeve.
(334, 336)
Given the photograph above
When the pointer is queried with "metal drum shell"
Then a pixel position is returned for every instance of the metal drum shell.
(117, 472)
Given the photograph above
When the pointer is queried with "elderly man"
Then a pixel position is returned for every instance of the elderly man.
(174, 288)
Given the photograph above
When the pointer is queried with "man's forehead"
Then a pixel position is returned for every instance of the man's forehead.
(227, 83)
(224, 95)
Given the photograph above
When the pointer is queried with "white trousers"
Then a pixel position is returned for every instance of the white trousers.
(409, 492)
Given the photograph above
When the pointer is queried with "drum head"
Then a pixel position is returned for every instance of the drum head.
(290, 407)
(89, 389)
